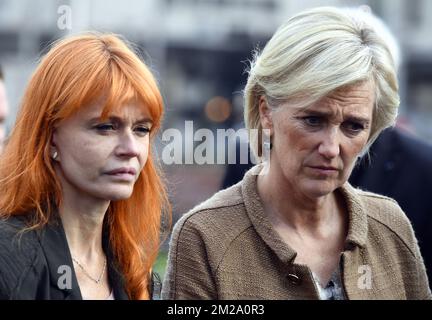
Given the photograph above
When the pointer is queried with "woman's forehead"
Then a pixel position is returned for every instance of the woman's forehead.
(353, 97)
(362, 90)
(130, 109)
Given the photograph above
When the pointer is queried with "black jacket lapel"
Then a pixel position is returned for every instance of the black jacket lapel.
(61, 270)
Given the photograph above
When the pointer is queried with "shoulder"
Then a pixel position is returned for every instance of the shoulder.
(18, 251)
(13, 237)
(199, 242)
(384, 214)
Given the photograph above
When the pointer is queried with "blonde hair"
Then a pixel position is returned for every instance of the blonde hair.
(76, 72)
(318, 51)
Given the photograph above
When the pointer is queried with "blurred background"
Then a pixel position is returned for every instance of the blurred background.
(198, 50)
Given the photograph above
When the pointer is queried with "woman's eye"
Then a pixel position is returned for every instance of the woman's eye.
(105, 127)
(354, 126)
(142, 130)
(313, 121)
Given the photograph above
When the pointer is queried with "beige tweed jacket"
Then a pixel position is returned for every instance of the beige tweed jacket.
(226, 248)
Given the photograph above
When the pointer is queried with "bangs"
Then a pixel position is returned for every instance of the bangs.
(119, 90)
(114, 83)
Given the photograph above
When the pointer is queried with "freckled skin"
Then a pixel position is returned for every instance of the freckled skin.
(330, 140)
(86, 151)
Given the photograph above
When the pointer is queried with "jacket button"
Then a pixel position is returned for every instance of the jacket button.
(294, 279)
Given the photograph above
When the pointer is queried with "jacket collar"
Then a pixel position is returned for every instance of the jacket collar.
(357, 230)
(57, 254)
(357, 214)
(55, 247)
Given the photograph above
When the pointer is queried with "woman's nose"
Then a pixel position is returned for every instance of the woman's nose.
(329, 146)
(128, 145)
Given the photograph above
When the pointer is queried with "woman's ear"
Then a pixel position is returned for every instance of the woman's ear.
(265, 115)
(53, 147)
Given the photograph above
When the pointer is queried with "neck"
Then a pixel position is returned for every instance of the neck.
(82, 218)
(286, 204)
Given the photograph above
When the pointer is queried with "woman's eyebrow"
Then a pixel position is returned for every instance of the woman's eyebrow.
(325, 114)
(316, 113)
(362, 120)
(119, 119)
(144, 120)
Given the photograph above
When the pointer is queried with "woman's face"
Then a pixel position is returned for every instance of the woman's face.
(102, 159)
(315, 148)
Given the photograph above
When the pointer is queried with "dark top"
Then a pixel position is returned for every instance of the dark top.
(37, 264)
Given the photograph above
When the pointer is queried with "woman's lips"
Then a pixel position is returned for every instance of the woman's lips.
(125, 174)
(128, 170)
(323, 170)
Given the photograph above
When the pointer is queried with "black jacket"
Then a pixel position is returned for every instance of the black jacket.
(38, 264)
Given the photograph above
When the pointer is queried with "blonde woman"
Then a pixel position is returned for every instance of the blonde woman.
(324, 87)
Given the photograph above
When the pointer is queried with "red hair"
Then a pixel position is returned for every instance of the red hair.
(77, 71)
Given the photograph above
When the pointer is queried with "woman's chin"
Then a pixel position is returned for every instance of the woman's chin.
(315, 189)
(116, 195)
(119, 197)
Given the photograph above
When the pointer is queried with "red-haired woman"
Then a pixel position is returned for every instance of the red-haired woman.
(81, 199)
